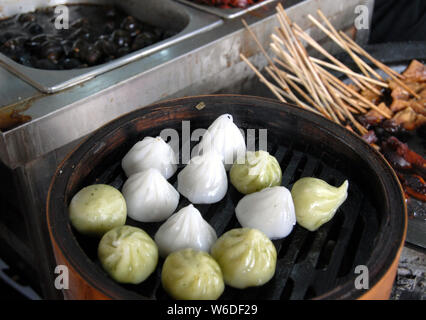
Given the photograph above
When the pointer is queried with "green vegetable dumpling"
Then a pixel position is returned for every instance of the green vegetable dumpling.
(190, 274)
(246, 256)
(259, 171)
(316, 202)
(128, 254)
(97, 209)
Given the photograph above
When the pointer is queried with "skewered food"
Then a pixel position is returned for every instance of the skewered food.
(204, 179)
(260, 170)
(414, 185)
(149, 196)
(192, 275)
(408, 115)
(416, 71)
(97, 209)
(128, 254)
(246, 256)
(402, 158)
(316, 201)
(225, 138)
(150, 153)
(185, 229)
(270, 210)
(97, 34)
(408, 119)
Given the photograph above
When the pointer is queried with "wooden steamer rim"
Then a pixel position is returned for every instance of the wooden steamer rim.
(88, 282)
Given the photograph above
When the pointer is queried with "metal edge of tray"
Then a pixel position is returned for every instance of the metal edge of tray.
(226, 13)
(51, 81)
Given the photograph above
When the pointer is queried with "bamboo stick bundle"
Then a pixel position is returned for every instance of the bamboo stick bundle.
(311, 83)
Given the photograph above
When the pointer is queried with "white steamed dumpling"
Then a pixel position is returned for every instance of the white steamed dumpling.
(270, 210)
(185, 229)
(149, 196)
(204, 179)
(225, 138)
(150, 153)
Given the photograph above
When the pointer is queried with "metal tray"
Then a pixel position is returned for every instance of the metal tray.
(164, 13)
(226, 13)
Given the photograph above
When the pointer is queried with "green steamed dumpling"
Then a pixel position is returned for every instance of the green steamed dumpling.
(128, 254)
(260, 170)
(246, 256)
(190, 274)
(316, 202)
(97, 209)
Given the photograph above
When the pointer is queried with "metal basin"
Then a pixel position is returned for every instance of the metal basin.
(162, 13)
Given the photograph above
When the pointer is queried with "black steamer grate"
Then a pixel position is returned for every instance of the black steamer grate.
(308, 263)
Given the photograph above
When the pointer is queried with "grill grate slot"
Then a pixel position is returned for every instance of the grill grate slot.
(367, 241)
(288, 289)
(303, 272)
(330, 242)
(353, 243)
(326, 279)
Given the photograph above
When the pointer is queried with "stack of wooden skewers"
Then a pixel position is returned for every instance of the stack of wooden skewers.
(308, 81)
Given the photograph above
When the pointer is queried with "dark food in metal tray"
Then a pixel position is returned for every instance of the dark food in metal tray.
(226, 4)
(96, 34)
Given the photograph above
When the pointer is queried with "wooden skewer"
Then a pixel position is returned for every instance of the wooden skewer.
(290, 93)
(359, 62)
(316, 88)
(332, 58)
(352, 109)
(365, 100)
(346, 47)
(300, 78)
(361, 51)
(257, 41)
(294, 65)
(353, 92)
(281, 91)
(291, 65)
(355, 104)
(386, 70)
(291, 43)
(334, 67)
(289, 76)
(262, 78)
(321, 50)
(302, 74)
(322, 91)
(357, 125)
(286, 76)
(289, 37)
(332, 37)
(259, 45)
